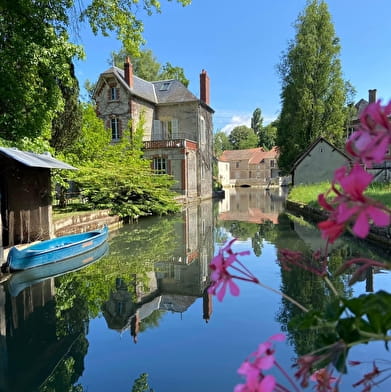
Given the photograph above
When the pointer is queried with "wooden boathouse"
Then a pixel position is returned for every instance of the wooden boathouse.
(25, 196)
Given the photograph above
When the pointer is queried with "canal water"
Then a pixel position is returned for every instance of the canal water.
(139, 319)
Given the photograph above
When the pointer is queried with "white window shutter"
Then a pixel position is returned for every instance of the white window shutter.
(157, 130)
(175, 130)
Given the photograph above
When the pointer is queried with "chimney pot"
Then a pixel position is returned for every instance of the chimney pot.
(372, 96)
(128, 72)
(204, 87)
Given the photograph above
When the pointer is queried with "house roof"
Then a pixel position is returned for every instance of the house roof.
(35, 160)
(252, 155)
(159, 92)
(311, 147)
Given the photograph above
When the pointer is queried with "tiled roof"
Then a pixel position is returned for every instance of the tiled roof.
(153, 91)
(252, 155)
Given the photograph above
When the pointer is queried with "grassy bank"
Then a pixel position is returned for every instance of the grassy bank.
(308, 194)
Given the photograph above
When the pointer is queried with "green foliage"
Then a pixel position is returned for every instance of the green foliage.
(120, 180)
(221, 143)
(67, 124)
(242, 138)
(146, 66)
(141, 384)
(313, 91)
(308, 194)
(33, 36)
(92, 139)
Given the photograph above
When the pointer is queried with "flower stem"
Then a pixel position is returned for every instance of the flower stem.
(286, 375)
(287, 297)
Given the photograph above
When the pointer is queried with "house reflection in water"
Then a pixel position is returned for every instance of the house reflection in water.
(174, 284)
(30, 346)
(253, 205)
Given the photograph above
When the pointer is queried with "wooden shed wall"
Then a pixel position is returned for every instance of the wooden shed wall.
(25, 203)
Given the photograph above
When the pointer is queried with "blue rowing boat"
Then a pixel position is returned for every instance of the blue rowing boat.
(54, 250)
(22, 279)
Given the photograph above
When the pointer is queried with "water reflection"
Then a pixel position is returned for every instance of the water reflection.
(75, 332)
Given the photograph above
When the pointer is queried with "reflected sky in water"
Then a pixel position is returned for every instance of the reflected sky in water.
(141, 315)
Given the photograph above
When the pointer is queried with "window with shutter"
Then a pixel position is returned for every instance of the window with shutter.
(175, 129)
(202, 130)
(157, 130)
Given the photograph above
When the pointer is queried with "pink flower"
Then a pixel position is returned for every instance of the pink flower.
(323, 379)
(331, 229)
(370, 143)
(355, 182)
(221, 277)
(252, 368)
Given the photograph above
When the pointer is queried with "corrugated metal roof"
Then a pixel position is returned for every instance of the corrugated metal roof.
(35, 160)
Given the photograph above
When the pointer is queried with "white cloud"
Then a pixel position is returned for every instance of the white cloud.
(235, 121)
(226, 121)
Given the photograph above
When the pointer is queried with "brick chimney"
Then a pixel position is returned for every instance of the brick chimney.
(128, 72)
(372, 96)
(204, 87)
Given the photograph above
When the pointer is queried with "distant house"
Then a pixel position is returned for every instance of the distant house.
(318, 163)
(223, 170)
(178, 125)
(252, 167)
(25, 196)
(358, 109)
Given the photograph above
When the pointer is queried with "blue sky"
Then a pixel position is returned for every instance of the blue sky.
(239, 44)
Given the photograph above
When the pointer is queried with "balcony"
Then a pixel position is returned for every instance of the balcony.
(171, 143)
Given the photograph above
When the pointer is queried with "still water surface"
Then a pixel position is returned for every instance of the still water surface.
(140, 318)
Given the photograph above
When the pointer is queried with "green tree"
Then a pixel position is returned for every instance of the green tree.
(66, 126)
(91, 141)
(242, 137)
(35, 60)
(220, 143)
(257, 125)
(270, 135)
(313, 91)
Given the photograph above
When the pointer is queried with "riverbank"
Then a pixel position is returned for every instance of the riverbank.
(377, 235)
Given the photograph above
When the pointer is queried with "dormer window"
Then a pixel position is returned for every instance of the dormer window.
(165, 86)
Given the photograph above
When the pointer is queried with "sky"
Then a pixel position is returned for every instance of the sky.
(239, 44)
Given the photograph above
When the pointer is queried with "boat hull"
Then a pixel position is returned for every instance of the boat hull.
(20, 280)
(54, 250)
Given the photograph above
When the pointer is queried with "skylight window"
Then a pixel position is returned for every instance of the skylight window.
(165, 86)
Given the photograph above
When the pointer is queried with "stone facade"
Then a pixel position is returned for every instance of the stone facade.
(253, 166)
(178, 127)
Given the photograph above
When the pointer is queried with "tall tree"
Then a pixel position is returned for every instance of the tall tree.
(257, 125)
(66, 126)
(313, 92)
(242, 137)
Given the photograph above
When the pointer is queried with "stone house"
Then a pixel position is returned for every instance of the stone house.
(318, 163)
(177, 125)
(252, 167)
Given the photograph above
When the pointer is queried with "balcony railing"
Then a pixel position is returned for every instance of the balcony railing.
(172, 143)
